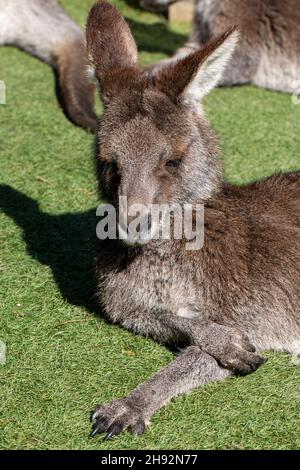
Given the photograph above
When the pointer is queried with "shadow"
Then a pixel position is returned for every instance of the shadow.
(137, 5)
(64, 242)
(156, 37)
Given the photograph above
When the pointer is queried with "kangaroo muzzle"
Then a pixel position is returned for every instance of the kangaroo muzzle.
(135, 223)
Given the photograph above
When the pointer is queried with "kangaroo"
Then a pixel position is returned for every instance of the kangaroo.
(43, 29)
(268, 54)
(227, 302)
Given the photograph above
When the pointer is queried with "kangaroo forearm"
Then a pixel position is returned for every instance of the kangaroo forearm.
(190, 326)
(229, 346)
(189, 370)
(162, 326)
(194, 326)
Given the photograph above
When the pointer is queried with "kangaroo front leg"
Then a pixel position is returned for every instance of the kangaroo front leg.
(188, 371)
(229, 346)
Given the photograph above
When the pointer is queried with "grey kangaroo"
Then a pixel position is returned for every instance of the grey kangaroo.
(268, 54)
(43, 29)
(237, 296)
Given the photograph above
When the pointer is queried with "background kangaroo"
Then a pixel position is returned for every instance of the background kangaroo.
(43, 29)
(268, 54)
(239, 294)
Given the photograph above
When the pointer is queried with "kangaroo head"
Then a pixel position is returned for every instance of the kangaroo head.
(154, 143)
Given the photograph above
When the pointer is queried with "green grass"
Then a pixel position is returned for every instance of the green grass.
(61, 358)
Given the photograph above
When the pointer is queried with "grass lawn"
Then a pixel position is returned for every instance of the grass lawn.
(62, 359)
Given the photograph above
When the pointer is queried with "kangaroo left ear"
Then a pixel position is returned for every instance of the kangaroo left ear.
(197, 74)
(111, 47)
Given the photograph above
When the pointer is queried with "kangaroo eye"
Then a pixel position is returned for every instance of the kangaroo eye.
(173, 163)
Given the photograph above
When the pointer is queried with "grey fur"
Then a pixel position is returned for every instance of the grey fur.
(40, 27)
(268, 55)
(240, 293)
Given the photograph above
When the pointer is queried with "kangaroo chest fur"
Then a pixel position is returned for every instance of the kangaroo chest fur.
(152, 280)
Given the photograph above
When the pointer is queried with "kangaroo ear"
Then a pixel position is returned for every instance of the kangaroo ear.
(195, 75)
(110, 44)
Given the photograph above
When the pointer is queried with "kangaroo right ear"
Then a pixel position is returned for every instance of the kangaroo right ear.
(110, 44)
(194, 76)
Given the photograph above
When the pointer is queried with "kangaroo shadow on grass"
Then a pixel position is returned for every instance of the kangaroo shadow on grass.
(62, 242)
(137, 5)
(156, 37)
(65, 243)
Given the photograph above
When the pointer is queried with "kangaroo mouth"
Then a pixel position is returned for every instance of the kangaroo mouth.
(135, 237)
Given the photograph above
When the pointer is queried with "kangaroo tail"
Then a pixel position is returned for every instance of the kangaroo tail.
(43, 29)
(76, 93)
